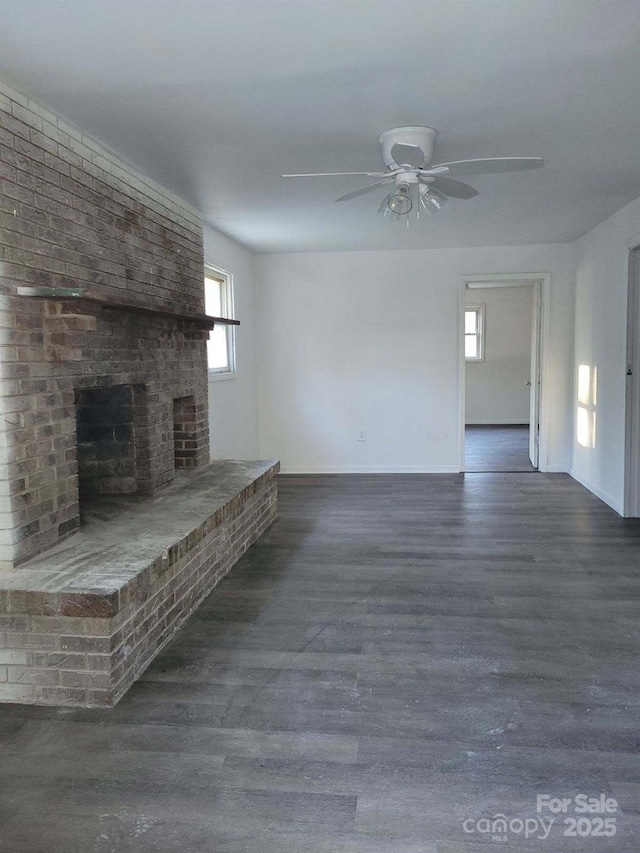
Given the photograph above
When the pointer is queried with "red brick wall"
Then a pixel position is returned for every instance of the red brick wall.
(74, 215)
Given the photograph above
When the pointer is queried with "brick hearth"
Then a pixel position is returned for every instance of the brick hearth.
(83, 621)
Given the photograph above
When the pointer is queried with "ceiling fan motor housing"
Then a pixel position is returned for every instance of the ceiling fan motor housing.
(422, 137)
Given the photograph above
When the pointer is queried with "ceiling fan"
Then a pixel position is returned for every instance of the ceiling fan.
(407, 153)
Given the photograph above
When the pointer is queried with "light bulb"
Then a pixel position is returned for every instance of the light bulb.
(397, 204)
(400, 202)
(385, 211)
(430, 199)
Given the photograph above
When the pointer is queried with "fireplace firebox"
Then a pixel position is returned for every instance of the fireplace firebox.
(106, 441)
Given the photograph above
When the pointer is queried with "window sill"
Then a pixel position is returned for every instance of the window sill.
(220, 377)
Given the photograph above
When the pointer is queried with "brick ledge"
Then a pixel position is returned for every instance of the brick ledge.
(83, 645)
(65, 580)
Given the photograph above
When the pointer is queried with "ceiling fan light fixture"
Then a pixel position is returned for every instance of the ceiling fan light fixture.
(419, 183)
(397, 204)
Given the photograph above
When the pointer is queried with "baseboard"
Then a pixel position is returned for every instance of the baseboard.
(494, 422)
(615, 505)
(557, 469)
(371, 469)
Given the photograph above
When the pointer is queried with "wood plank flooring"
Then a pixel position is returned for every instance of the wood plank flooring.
(396, 655)
(496, 448)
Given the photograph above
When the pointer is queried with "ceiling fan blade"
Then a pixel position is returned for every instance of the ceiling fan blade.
(493, 165)
(404, 154)
(455, 189)
(432, 171)
(364, 190)
(333, 174)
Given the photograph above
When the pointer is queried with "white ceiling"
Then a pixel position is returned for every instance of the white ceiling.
(216, 99)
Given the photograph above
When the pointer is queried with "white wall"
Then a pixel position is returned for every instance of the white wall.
(600, 342)
(370, 340)
(495, 389)
(233, 407)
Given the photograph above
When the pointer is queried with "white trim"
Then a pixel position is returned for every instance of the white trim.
(222, 376)
(495, 422)
(607, 499)
(632, 388)
(479, 282)
(462, 367)
(542, 281)
(219, 373)
(370, 469)
(558, 469)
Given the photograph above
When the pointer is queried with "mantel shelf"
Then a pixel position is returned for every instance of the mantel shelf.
(76, 294)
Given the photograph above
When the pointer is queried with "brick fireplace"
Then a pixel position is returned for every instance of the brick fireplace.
(104, 401)
(91, 388)
(100, 390)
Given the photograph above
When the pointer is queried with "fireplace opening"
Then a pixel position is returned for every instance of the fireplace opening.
(106, 441)
(184, 432)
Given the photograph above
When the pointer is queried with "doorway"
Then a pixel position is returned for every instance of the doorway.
(501, 373)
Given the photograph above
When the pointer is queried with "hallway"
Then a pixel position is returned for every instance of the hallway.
(396, 655)
(496, 448)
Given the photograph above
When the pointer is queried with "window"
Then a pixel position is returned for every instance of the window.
(474, 333)
(218, 300)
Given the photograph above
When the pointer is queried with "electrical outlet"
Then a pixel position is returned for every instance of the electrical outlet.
(362, 435)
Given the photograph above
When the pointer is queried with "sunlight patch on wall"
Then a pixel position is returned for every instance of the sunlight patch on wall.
(587, 400)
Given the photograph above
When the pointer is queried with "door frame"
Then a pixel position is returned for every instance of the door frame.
(631, 508)
(541, 282)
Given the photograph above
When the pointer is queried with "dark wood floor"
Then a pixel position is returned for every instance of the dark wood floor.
(396, 655)
(497, 448)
